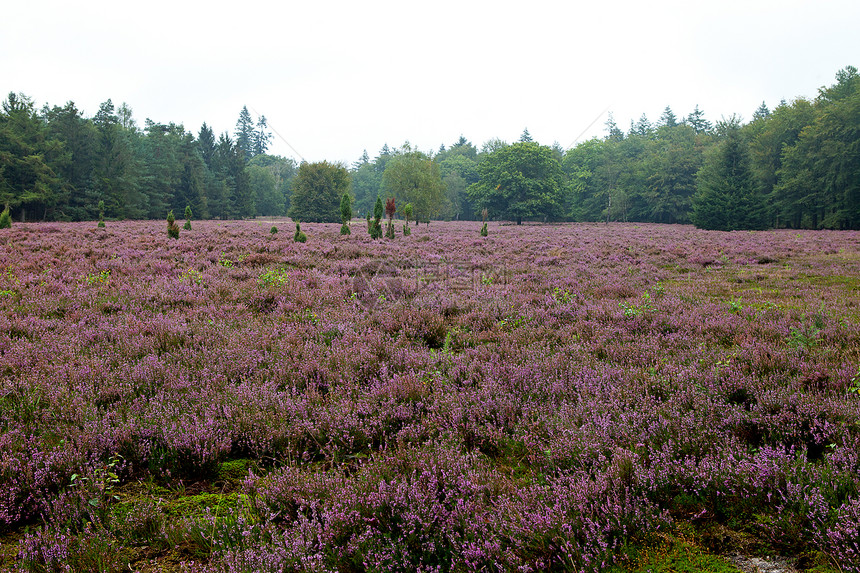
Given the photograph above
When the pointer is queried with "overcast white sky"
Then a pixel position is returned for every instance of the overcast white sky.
(337, 77)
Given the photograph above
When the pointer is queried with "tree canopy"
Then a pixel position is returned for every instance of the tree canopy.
(520, 181)
(317, 191)
(802, 168)
(413, 177)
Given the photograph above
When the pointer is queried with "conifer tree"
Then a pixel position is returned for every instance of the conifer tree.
(726, 197)
(345, 214)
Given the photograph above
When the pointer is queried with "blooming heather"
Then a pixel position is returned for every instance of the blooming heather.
(534, 399)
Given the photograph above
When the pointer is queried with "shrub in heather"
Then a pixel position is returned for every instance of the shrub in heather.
(345, 214)
(299, 236)
(187, 225)
(376, 225)
(172, 227)
(407, 214)
(274, 230)
(5, 219)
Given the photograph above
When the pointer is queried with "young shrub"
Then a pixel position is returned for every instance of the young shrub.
(390, 209)
(407, 214)
(5, 219)
(345, 214)
(299, 237)
(101, 215)
(273, 230)
(375, 226)
(484, 214)
(172, 227)
(187, 225)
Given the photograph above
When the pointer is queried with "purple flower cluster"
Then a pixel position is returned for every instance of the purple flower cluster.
(534, 399)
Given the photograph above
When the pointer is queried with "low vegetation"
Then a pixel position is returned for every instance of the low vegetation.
(573, 397)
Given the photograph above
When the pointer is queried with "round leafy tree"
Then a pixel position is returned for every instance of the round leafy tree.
(316, 192)
(520, 181)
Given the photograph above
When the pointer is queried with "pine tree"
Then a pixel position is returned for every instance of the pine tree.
(172, 227)
(375, 226)
(727, 198)
(245, 133)
(345, 214)
(5, 219)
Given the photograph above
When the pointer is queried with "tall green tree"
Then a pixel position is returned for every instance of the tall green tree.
(671, 168)
(27, 182)
(272, 188)
(727, 197)
(317, 191)
(520, 181)
(245, 133)
(119, 166)
(75, 161)
(819, 181)
(413, 177)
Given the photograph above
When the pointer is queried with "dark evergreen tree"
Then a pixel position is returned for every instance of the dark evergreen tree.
(697, 121)
(27, 182)
(667, 118)
(245, 133)
(727, 197)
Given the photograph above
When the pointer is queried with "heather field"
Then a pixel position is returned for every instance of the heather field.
(576, 397)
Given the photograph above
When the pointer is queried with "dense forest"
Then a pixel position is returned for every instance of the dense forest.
(797, 166)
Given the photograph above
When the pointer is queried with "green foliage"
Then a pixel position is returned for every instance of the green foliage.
(520, 181)
(316, 192)
(377, 208)
(299, 236)
(413, 177)
(375, 229)
(273, 230)
(407, 213)
(726, 198)
(345, 209)
(172, 227)
(345, 214)
(274, 277)
(484, 231)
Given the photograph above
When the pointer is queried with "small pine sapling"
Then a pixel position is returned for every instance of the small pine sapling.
(101, 223)
(407, 214)
(484, 219)
(5, 219)
(375, 225)
(187, 225)
(273, 230)
(172, 227)
(300, 236)
(345, 214)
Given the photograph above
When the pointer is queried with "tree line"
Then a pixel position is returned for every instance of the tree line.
(797, 166)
